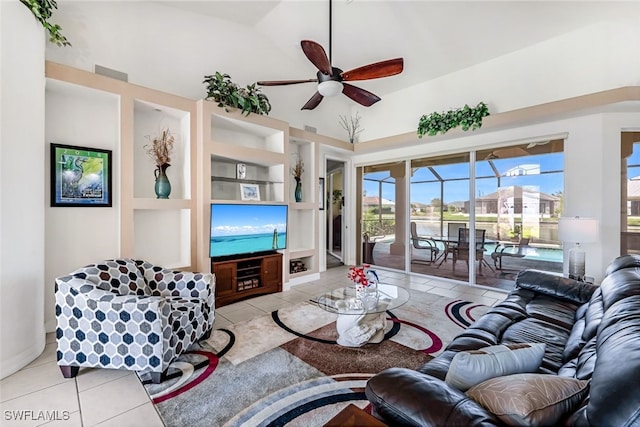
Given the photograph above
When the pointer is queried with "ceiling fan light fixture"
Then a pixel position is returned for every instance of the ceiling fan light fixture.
(330, 88)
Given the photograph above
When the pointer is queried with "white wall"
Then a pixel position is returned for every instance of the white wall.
(77, 236)
(22, 177)
(592, 59)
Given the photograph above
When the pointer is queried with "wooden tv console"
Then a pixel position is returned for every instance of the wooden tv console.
(242, 278)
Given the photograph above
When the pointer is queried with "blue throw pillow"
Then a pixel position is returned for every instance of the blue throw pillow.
(469, 368)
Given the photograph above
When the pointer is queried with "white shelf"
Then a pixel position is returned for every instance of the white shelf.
(161, 204)
(302, 205)
(301, 253)
(244, 132)
(241, 154)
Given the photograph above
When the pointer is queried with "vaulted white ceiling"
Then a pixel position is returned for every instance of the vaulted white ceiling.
(434, 37)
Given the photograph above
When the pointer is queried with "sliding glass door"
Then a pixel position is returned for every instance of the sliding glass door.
(439, 208)
(384, 207)
(479, 222)
(519, 200)
(630, 184)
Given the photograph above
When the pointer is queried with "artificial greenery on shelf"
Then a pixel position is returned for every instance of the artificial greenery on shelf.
(42, 10)
(466, 117)
(226, 93)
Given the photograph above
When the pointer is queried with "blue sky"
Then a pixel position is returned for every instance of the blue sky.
(459, 190)
(634, 159)
(229, 219)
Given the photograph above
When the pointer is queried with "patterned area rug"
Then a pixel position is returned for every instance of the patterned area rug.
(285, 369)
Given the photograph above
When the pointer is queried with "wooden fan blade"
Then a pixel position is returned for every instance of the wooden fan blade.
(284, 82)
(313, 102)
(361, 96)
(376, 70)
(316, 54)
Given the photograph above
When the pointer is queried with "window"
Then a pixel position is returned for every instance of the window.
(518, 199)
(630, 184)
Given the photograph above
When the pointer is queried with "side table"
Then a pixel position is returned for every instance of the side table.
(352, 416)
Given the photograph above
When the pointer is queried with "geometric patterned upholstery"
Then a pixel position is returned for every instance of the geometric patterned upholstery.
(128, 314)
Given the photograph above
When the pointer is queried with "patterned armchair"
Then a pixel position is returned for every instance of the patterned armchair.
(130, 314)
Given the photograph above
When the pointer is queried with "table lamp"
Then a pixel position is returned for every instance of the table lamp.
(577, 230)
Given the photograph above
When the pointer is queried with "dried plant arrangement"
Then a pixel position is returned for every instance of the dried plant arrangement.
(160, 148)
(298, 168)
(352, 126)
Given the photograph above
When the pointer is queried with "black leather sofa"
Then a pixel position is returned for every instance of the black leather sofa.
(591, 333)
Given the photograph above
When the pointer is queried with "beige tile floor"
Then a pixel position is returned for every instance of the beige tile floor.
(104, 397)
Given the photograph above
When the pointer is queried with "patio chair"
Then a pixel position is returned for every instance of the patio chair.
(429, 245)
(449, 244)
(514, 250)
(461, 251)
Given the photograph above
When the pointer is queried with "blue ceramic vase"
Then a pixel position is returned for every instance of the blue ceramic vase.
(163, 186)
(298, 192)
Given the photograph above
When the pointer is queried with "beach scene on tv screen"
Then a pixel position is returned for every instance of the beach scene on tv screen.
(240, 229)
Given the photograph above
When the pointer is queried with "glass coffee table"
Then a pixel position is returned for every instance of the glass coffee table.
(360, 323)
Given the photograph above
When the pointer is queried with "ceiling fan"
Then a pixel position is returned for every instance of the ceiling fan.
(331, 80)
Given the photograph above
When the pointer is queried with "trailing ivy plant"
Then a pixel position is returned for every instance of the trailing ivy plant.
(466, 117)
(226, 93)
(42, 10)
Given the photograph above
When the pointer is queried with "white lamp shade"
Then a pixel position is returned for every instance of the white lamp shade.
(578, 229)
(330, 88)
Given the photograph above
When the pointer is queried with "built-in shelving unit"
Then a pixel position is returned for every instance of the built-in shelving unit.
(162, 229)
(158, 230)
(225, 182)
(210, 144)
(264, 148)
(303, 215)
(227, 140)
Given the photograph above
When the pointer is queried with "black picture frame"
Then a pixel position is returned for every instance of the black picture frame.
(80, 176)
(321, 193)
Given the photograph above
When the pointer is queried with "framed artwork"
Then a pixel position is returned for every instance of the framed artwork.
(321, 193)
(80, 176)
(249, 192)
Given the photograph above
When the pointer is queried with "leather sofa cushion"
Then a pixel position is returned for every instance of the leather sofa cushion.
(555, 286)
(575, 343)
(530, 399)
(404, 397)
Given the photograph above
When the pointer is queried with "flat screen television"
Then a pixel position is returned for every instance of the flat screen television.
(240, 229)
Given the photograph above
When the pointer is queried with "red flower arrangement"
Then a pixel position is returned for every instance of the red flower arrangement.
(358, 275)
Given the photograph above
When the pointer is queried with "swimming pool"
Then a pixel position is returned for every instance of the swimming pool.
(536, 253)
